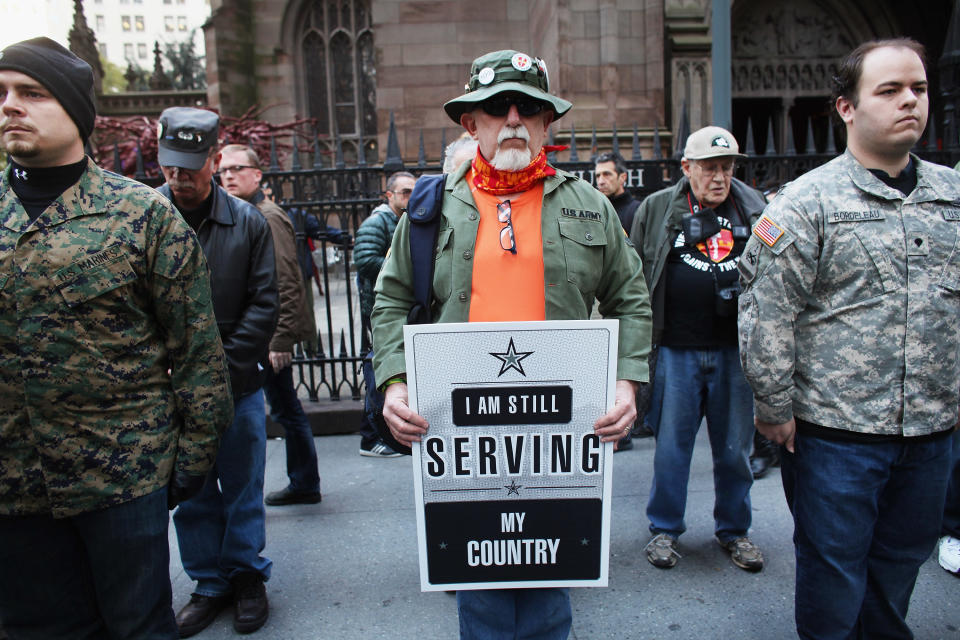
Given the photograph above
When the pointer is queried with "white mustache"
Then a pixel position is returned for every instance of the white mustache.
(508, 132)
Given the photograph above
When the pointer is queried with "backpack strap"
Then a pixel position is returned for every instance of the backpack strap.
(423, 210)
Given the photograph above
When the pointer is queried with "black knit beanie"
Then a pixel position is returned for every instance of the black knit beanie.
(66, 76)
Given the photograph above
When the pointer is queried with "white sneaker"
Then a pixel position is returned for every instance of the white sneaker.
(950, 554)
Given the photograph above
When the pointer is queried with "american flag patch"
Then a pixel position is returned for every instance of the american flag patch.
(767, 231)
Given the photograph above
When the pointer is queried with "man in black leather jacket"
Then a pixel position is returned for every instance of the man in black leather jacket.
(225, 560)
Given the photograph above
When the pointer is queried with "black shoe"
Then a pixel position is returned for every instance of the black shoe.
(765, 455)
(642, 431)
(250, 609)
(288, 496)
(379, 449)
(199, 613)
(760, 465)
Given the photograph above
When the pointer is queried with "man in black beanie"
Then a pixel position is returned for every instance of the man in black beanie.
(113, 380)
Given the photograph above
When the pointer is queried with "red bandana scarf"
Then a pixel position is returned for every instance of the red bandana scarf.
(492, 180)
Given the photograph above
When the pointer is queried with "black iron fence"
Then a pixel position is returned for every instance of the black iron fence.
(341, 197)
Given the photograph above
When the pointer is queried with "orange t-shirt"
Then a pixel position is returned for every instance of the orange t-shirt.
(508, 286)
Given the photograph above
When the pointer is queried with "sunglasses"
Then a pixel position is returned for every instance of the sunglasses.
(499, 105)
(508, 241)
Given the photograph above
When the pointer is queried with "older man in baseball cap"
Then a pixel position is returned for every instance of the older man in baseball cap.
(222, 531)
(505, 210)
(690, 238)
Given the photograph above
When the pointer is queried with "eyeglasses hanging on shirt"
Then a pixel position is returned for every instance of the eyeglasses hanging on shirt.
(508, 241)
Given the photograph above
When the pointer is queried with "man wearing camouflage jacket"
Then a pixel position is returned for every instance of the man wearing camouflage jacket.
(113, 381)
(849, 326)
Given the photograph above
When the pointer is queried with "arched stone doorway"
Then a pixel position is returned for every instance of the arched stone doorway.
(785, 54)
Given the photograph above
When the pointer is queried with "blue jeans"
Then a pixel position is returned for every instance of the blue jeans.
(689, 384)
(222, 530)
(102, 574)
(951, 508)
(514, 614)
(286, 410)
(372, 402)
(866, 516)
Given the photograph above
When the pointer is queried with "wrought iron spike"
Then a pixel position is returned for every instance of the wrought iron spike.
(811, 145)
(637, 155)
(140, 174)
(932, 143)
(274, 160)
(421, 153)
(295, 162)
(593, 144)
(317, 154)
(338, 153)
(361, 153)
(791, 141)
(552, 156)
(831, 142)
(683, 131)
(771, 149)
(117, 165)
(573, 145)
(343, 345)
(615, 140)
(393, 162)
(657, 150)
(749, 147)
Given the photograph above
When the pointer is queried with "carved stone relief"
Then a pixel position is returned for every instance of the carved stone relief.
(786, 47)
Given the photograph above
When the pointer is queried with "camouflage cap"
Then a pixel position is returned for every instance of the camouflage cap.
(711, 142)
(501, 71)
(185, 136)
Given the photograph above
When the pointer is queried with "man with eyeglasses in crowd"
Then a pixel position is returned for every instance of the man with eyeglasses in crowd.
(369, 250)
(222, 530)
(690, 237)
(240, 175)
(502, 257)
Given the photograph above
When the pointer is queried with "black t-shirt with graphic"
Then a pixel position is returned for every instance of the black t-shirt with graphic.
(694, 274)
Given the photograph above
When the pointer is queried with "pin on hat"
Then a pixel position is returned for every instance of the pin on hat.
(711, 142)
(185, 136)
(506, 70)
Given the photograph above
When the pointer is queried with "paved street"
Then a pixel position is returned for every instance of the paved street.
(347, 568)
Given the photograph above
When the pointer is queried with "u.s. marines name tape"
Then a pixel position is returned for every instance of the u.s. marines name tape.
(512, 486)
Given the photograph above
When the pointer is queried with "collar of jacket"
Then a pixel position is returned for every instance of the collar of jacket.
(221, 209)
(750, 200)
(927, 190)
(84, 198)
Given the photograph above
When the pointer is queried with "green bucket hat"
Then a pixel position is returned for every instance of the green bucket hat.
(502, 71)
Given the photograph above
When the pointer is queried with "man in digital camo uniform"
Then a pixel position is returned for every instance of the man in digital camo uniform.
(506, 219)
(849, 336)
(113, 381)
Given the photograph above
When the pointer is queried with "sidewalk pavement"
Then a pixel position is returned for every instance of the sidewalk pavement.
(347, 568)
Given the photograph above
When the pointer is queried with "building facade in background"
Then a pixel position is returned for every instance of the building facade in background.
(350, 63)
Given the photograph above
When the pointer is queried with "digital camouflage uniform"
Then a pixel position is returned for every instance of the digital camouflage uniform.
(850, 323)
(104, 293)
(869, 282)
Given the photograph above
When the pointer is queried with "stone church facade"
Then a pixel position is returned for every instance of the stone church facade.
(626, 63)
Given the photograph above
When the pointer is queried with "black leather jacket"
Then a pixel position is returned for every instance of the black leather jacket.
(238, 247)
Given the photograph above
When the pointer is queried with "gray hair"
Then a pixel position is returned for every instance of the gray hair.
(458, 152)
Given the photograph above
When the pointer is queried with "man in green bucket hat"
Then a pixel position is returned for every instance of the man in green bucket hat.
(509, 217)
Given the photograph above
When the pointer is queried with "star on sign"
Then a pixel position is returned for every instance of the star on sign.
(511, 359)
(584, 542)
(443, 546)
(513, 488)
